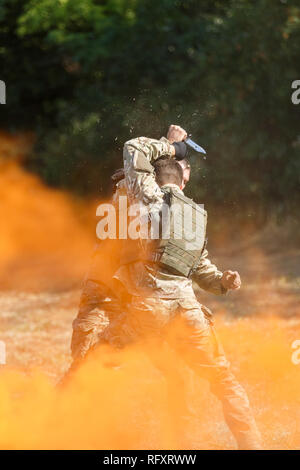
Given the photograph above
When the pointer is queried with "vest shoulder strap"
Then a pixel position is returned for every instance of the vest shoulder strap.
(172, 195)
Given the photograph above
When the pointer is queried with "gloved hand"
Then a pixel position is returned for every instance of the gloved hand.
(180, 150)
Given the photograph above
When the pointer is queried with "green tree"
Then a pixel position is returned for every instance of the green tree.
(86, 75)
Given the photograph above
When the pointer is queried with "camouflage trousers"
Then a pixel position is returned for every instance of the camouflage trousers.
(97, 308)
(188, 329)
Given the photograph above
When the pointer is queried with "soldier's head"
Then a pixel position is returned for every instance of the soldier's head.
(168, 171)
(165, 172)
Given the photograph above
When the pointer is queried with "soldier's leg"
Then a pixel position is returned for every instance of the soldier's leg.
(234, 399)
(202, 351)
(177, 404)
(91, 319)
(96, 308)
(147, 321)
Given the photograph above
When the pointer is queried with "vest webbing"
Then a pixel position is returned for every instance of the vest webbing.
(181, 239)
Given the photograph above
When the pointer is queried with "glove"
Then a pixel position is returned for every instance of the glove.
(180, 150)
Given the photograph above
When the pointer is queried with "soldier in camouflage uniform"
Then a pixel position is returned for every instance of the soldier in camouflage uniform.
(99, 302)
(161, 296)
(103, 298)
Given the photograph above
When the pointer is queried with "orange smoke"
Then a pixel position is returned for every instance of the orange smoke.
(46, 236)
(119, 400)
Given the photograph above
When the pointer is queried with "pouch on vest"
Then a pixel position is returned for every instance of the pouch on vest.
(182, 234)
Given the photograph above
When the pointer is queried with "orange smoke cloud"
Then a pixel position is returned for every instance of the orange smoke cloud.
(119, 400)
(46, 236)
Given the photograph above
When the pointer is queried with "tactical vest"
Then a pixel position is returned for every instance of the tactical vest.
(182, 240)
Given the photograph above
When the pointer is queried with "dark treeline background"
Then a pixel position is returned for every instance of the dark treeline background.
(87, 75)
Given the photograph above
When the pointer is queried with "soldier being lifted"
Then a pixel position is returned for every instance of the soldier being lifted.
(159, 278)
(102, 298)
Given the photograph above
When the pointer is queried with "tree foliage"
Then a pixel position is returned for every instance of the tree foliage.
(86, 75)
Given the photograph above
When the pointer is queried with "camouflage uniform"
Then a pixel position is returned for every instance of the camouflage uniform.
(99, 303)
(161, 299)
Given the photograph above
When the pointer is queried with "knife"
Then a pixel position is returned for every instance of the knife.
(194, 146)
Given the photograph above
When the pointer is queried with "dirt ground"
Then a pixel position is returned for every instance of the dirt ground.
(37, 326)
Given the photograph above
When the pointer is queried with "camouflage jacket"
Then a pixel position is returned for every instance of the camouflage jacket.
(106, 255)
(139, 277)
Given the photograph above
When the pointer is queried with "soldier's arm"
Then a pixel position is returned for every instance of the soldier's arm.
(208, 276)
(139, 155)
